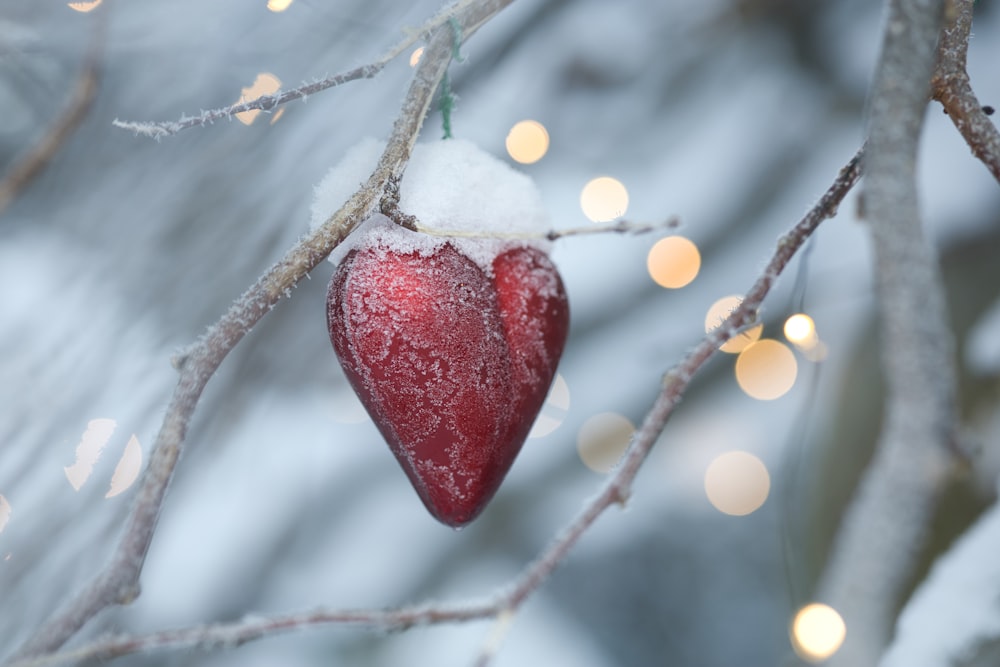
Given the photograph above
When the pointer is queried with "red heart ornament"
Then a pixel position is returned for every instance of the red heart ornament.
(452, 362)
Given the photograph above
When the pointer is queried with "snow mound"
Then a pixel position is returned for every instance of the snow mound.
(450, 185)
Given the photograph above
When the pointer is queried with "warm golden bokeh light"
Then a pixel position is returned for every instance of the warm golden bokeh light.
(603, 199)
(4, 513)
(553, 410)
(766, 370)
(127, 470)
(737, 483)
(817, 632)
(527, 141)
(89, 450)
(84, 6)
(800, 330)
(673, 262)
(278, 5)
(717, 314)
(415, 56)
(264, 84)
(602, 440)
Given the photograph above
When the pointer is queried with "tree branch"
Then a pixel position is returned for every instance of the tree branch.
(158, 130)
(505, 602)
(29, 165)
(118, 582)
(884, 528)
(617, 227)
(952, 88)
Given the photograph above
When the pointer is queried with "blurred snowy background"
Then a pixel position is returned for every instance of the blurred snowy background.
(734, 115)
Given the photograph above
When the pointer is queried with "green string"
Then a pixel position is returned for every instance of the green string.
(456, 40)
(447, 102)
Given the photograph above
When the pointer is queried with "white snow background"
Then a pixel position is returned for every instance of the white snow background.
(733, 116)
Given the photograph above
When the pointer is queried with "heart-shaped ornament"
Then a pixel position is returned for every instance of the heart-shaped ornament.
(451, 343)
(452, 364)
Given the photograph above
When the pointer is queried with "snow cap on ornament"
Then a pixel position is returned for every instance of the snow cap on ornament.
(449, 185)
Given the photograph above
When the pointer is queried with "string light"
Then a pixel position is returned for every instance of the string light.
(264, 84)
(554, 409)
(527, 142)
(603, 199)
(673, 262)
(602, 440)
(766, 370)
(84, 7)
(127, 470)
(737, 483)
(817, 632)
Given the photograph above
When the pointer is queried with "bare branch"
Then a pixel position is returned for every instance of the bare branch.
(952, 88)
(618, 227)
(230, 635)
(118, 582)
(885, 527)
(158, 130)
(31, 164)
(506, 601)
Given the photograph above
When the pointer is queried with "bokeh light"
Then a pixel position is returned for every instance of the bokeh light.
(737, 483)
(800, 330)
(264, 84)
(603, 199)
(4, 512)
(127, 470)
(527, 141)
(602, 440)
(415, 56)
(554, 409)
(717, 314)
(766, 370)
(673, 262)
(84, 7)
(89, 449)
(278, 5)
(818, 631)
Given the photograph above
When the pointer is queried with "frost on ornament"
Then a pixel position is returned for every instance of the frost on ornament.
(451, 343)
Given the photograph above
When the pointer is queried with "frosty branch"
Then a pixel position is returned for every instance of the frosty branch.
(885, 527)
(28, 166)
(617, 227)
(952, 88)
(118, 582)
(506, 601)
(158, 130)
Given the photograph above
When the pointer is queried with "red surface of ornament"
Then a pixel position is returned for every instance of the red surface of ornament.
(452, 364)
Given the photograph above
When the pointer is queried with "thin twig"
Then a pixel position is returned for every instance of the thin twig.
(884, 529)
(231, 635)
(118, 582)
(29, 165)
(619, 227)
(951, 87)
(158, 130)
(506, 601)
